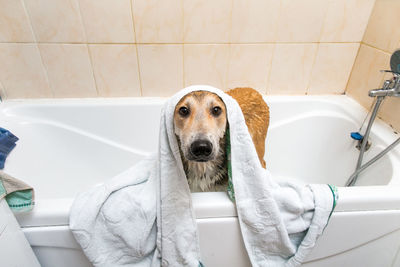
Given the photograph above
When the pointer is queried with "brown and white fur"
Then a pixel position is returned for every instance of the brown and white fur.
(200, 125)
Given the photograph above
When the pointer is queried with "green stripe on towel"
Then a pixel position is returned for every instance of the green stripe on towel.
(20, 200)
(335, 194)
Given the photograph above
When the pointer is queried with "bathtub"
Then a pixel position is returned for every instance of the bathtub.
(69, 145)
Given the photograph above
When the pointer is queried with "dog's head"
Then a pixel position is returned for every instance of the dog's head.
(200, 123)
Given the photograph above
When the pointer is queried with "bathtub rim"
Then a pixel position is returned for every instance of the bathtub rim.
(55, 212)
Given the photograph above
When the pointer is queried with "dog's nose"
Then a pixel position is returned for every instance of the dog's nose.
(201, 148)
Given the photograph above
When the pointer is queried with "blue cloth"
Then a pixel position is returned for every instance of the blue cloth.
(7, 143)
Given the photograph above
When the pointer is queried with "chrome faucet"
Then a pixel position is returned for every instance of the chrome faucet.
(390, 87)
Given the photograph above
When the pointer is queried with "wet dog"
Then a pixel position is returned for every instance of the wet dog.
(200, 125)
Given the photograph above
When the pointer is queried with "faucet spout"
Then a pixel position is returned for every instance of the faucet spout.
(384, 92)
(389, 88)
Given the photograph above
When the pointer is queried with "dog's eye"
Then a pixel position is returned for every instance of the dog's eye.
(183, 111)
(216, 111)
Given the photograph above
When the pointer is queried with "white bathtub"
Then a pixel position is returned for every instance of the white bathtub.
(67, 146)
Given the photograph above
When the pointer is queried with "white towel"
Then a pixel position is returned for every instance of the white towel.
(144, 217)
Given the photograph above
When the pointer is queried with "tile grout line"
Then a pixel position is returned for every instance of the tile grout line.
(359, 99)
(228, 68)
(324, 22)
(87, 47)
(92, 69)
(267, 86)
(226, 79)
(380, 50)
(230, 23)
(30, 21)
(307, 92)
(369, 19)
(136, 49)
(266, 90)
(352, 68)
(226, 43)
(35, 38)
(183, 45)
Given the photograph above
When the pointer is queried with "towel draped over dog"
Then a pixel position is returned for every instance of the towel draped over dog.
(144, 216)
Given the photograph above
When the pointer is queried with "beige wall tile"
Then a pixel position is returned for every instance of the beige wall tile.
(21, 71)
(206, 64)
(107, 21)
(254, 20)
(346, 20)
(332, 68)
(158, 21)
(69, 69)
(115, 70)
(161, 69)
(207, 21)
(14, 22)
(301, 21)
(383, 30)
(291, 68)
(366, 75)
(56, 20)
(249, 66)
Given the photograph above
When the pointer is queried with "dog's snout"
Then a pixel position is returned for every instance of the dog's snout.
(201, 148)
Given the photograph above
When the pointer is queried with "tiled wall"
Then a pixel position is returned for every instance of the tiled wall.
(89, 48)
(381, 39)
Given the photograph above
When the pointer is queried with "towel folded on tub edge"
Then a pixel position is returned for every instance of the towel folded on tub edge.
(144, 216)
(19, 195)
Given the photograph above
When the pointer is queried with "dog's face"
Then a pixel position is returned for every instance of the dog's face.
(200, 122)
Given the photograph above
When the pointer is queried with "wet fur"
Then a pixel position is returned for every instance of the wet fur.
(256, 115)
(207, 176)
(212, 175)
